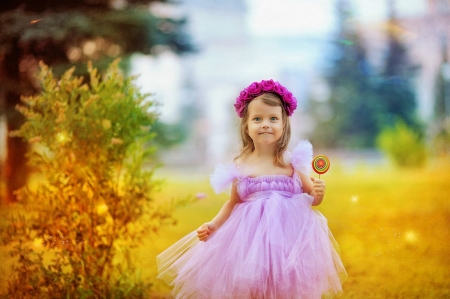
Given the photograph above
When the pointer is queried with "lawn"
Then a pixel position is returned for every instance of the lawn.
(393, 228)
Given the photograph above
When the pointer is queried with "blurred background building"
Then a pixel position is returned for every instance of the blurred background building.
(424, 29)
(290, 41)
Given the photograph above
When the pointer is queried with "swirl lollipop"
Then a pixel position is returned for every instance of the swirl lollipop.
(320, 164)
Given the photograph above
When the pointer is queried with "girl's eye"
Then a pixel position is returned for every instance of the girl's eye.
(257, 119)
(274, 118)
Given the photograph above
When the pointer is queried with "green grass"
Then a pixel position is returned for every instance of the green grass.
(393, 228)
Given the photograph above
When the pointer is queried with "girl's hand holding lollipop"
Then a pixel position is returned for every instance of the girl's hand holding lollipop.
(320, 164)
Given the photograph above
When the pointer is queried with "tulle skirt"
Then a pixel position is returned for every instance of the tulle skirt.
(272, 246)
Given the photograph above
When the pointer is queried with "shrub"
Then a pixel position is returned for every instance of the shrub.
(402, 145)
(441, 140)
(96, 200)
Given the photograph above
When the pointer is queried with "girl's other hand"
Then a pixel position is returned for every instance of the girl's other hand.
(318, 187)
(204, 231)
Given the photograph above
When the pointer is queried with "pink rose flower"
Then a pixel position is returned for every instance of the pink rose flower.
(280, 90)
(254, 88)
(267, 85)
(244, 94)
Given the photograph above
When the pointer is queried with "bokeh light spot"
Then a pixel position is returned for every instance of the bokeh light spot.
(62, 137)
(411, 237)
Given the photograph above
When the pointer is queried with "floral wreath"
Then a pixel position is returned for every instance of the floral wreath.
(258, 88)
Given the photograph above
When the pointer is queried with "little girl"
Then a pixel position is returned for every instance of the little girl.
(266, 241)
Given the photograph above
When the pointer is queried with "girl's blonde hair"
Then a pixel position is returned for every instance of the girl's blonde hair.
(248, 147)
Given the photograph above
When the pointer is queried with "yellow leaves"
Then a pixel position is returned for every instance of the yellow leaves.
(109, 220)
(92, 98)
(62, 137)
(100, 229)
(93, 75)
(118, 97)
(35, 139)
(38, 243)
(64, 180)
(84, 87)
(15, 133)
(131, 228)
(22, 109)
(106, 123)
(135, 228)
(116, 141)
(61, 116)
(68, 74)
(102, 209)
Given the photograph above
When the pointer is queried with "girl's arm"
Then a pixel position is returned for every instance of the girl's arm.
(314, 187)
(208, 228)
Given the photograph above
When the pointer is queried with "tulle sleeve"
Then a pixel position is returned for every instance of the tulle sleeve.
(223, 176)
(301, 157)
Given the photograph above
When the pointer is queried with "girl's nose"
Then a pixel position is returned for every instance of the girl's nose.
(265, 126)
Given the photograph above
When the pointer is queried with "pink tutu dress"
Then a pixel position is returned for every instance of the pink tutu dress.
(273, 245)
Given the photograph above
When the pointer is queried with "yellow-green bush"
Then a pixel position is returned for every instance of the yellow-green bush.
(403, 145)
(72, 235)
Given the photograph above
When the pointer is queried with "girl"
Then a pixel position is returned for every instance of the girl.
(266, 241)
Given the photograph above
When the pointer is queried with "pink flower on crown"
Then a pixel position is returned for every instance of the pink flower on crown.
(268, 84)
(258, 88)
(280, 90)
(254, 88)
(244, 95)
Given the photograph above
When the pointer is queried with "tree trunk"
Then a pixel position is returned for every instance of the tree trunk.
(15, 170)
(2, 145)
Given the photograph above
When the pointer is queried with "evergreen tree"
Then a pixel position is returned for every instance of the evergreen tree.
(362, 102)
(352, 109)
(441, 115)
(442, 98)
(394, 89)
(63, 33)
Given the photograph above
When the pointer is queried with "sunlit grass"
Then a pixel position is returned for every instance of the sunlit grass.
(393, 228)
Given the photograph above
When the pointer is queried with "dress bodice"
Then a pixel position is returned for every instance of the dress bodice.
(277, 182)
(300, 159)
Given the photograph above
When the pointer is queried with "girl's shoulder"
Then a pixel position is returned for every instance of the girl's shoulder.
(301, 157)
(223, 176)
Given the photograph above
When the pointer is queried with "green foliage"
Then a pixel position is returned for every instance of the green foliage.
(442, 90)
(398, 101)
(349, 116)
(441, 128)
(168, 135)
(363, 101)
(73, 233)
(133, 29)
(403, 145)
(441, 140)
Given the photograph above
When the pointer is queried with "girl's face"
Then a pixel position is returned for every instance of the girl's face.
(265, 122)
